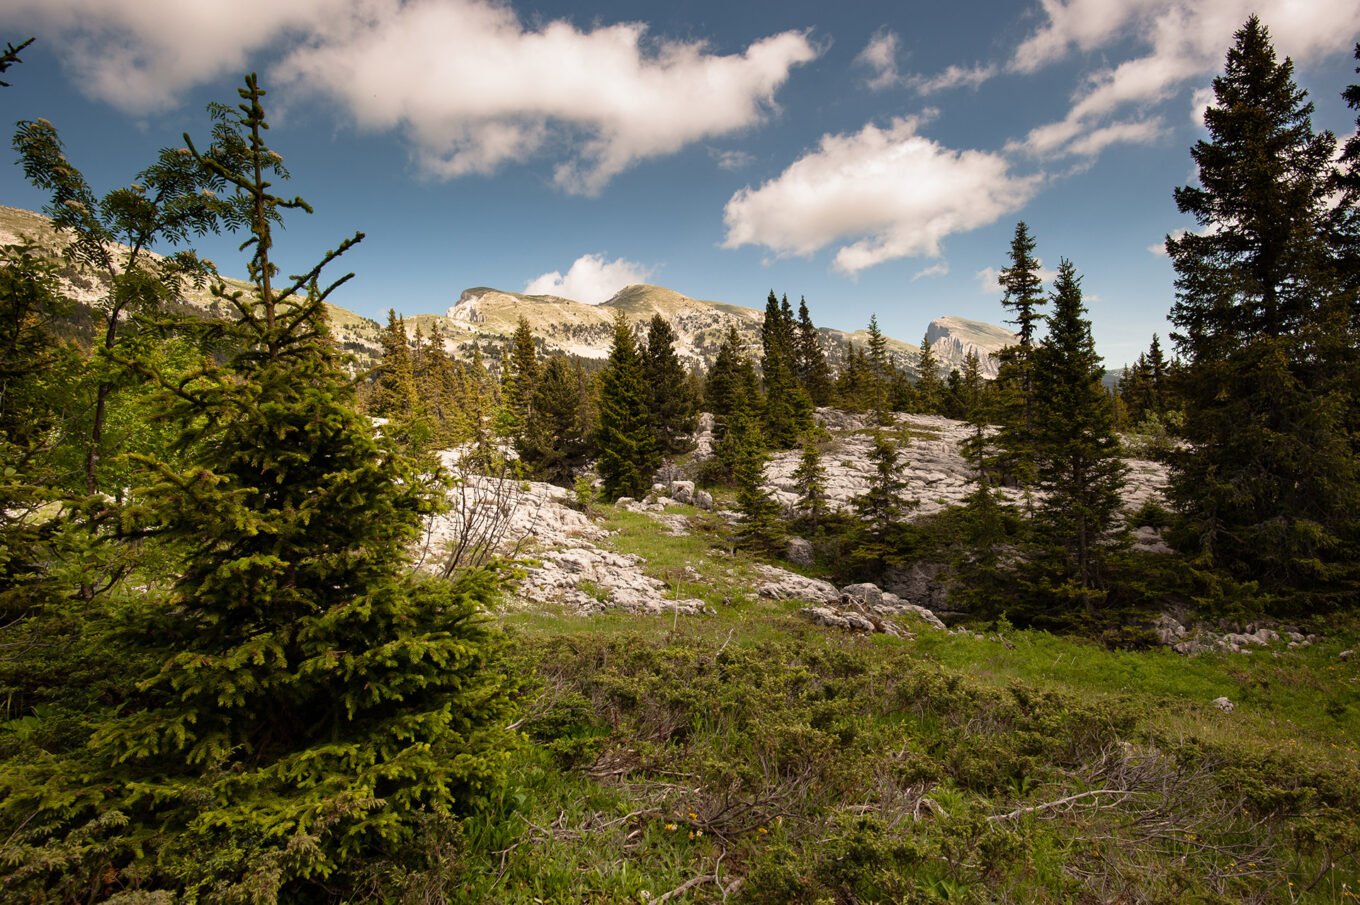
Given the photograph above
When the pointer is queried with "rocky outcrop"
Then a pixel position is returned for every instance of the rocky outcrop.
(1183, 640)
(952, 338)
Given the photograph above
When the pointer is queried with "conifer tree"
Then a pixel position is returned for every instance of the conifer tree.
(930, 390)
(310, 705)
(760, 528)
(881, 537)
(555, 442)
(788, 408)
(813, 371)
(1076, 452)
(395, 395)
(672, 405)
(855, 384)
(519, 373)
(628, 454)
(809, 479)
(111, 239)
(1015, 396)
(880, 373)
(1270, 484)
(732, 392)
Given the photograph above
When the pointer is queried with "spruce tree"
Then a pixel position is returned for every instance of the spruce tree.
(310, 706)
(1015, 395)
(731, 392)
(519, 374)
(1270, 483)
(555, 442)
(880, 373)
(760, 528)
(881, 538)
(809, 480)
(628, 454)
(395, 395)
(813, 371)
(930, 390)
(788, 408)
(672, 405)
(1076, 451)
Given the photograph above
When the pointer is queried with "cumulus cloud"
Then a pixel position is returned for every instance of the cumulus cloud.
(1181, 41)
(989, 278)
(467, 81)
(879, 56)
(934, 270)
(895, 193)
(590, 279)
(142, 56)
(474, 88)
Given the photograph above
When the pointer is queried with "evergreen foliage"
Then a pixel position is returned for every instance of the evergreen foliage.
(555, 444)
(856, 386)
(1076, 451)
(788, 407)
(930, 389)
(813, 371)
(1015, 397)
(110, 238)
(297, 708)
(1270, 483)
(881, 372)
(809, 480)
(732, 393)
(672, 403)
(761, 528)
(519, 373)
(395, 395)
(882, 537)
(628, 453)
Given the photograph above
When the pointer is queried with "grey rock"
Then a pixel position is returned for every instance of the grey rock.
(1224, 705)
(865, 593)
(800, 551)
(703, 499)
(781, 584)
(1345, 655)
(1168, 630)
(849, 620)
(683, 491)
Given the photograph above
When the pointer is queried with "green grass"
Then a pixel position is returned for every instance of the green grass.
(747, 756)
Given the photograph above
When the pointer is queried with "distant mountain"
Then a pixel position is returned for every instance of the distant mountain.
(586, 330)
(485, 315)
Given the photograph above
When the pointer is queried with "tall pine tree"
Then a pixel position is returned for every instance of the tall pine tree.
(1076, 451)
(1270, 484)
(628, 453)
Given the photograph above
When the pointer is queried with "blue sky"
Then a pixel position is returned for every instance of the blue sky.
(873, 157)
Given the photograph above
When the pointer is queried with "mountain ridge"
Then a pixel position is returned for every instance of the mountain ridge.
(484, 313)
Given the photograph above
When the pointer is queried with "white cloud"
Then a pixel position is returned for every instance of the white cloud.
(896, 193)
(590, 279)
(1183, 40)
(731, 160)
(474, 88)
(953, 77)
(934, 270)
(1159, 248)
(471, 85)
(880, 57)
(142, 55)
(1200, 101)
(989, 278)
